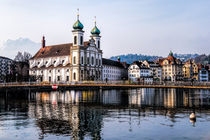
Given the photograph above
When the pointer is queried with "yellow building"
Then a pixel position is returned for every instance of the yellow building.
(190, 70)
(171, 68)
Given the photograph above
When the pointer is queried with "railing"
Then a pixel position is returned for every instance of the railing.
(168, 83)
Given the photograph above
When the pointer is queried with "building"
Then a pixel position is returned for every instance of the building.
(190, 70)
(114, 70)
(156, 70)
(171, 68)
(5, 68)
(204, 74)
(77, 61)
(138, 72)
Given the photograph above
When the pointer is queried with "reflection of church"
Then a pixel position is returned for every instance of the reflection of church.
(60, 113)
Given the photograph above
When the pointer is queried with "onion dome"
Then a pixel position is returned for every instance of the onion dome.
(78, 25)
(95, 31)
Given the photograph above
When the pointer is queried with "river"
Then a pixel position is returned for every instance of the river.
(128, 114)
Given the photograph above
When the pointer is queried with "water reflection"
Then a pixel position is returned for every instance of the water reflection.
(83, 114)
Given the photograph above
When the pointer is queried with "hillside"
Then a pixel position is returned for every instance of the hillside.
(129, 58)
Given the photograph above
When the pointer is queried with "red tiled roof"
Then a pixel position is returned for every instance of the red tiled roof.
(55, 50)
(171, 59)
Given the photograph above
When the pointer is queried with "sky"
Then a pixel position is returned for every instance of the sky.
(150, 27)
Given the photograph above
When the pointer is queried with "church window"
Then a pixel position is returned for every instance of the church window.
(67, 78)
(74, 59)
(49, 78)
(81, 40)
(58, 78)
(75, 40)
(74, 76)
(82, 60)
(92, 60)
(99, 44)
(88, 60)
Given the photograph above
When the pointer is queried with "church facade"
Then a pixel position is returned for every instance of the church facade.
(77, 61)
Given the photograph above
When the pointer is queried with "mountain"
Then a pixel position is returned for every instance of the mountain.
(129, 58)
(12, 47)
(203, 59)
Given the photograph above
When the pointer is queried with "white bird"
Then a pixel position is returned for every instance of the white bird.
(192, 116)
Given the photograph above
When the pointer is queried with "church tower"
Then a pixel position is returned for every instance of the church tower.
(78, 32)
(95, 34)
(75, 51)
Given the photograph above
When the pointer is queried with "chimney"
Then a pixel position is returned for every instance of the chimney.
(43, 42)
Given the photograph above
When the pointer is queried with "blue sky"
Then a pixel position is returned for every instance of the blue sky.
(127, 26)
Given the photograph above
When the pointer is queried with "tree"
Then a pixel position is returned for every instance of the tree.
(22, 57)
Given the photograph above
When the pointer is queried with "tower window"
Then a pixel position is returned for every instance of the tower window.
(74, 76)
(88, 60)
(82, 60)
(99, 44)
(74, 59)
(81, 40)
(75, 40)
(92, 60)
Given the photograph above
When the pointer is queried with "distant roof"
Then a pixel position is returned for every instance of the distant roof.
(112, 63)
(55, 50)
(170, 58)
(2, 57)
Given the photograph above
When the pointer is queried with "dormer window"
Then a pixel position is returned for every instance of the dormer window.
(54, 62)
(57, 51)
(62, 61)
(46, 62)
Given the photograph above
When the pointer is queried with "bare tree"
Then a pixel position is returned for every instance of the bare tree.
(22, 57)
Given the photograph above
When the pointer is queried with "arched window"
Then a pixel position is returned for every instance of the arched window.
(92, 60)
(74, 59)
(82, 60)
(75, 39)
(81, 40)
(74, 76)
(99, 44)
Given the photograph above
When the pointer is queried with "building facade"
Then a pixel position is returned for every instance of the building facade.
(5, 68)
(171, 68)
(156, 70)
(139, 72)
(203, 74)
(190, 70)
(77, 61)
(114, 70)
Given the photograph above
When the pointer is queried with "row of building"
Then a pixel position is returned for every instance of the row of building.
(168, 69)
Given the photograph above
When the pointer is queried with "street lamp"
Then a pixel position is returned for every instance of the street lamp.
(16, 77)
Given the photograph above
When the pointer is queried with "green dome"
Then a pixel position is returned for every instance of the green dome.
(78, 25)
(95, 31)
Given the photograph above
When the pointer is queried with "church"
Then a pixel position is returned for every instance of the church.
(77, 61)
